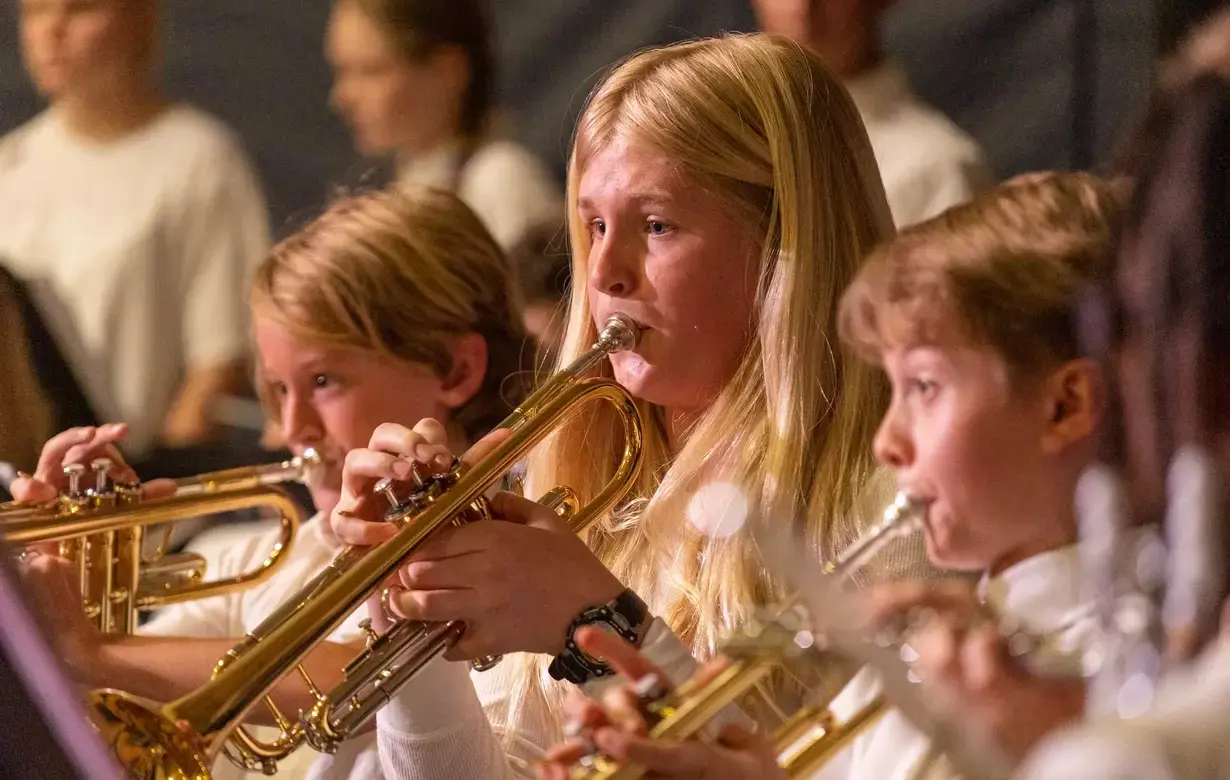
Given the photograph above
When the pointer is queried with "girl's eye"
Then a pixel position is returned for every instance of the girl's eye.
(658, 228)
(597, 228)
(321, 380)
(923, 388)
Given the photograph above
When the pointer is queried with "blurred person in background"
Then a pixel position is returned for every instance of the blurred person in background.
(543, 271)
(415, 81)
(928, 163)
(135, 221)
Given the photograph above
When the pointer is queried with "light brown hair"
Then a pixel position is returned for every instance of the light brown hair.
(1000, 271)
(402, 274)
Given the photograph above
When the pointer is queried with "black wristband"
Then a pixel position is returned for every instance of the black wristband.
(624, 615)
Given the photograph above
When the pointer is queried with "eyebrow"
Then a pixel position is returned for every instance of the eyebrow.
(642, 197)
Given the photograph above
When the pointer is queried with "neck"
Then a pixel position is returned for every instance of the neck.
(848, 45)
(1050, 537)
(679, 423)
(124, 109)
(428, 144)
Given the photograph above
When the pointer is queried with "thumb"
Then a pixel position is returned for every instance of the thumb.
(517, 509)
(158, 488)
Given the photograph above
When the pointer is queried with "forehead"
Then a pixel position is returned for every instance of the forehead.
(280, 348)
(353, 33)
(632, 170)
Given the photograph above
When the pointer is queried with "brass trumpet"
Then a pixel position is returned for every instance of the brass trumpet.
(103, 529)
(813, 735)
(181, 739)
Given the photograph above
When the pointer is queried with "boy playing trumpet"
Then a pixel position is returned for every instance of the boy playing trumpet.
(993, 418)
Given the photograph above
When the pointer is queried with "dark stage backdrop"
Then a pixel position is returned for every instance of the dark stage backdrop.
(1040, 83)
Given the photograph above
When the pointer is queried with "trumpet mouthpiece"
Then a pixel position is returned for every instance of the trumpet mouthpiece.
(308, 464)
(620, 333)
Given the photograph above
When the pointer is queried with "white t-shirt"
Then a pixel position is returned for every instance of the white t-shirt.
(138, 251)
(509, 188)
(234, 616)
(928, 164)
(1045, 594)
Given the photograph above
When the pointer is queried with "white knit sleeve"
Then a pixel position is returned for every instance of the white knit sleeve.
(435, 727)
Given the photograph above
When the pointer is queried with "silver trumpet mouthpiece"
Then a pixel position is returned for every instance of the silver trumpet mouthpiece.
(620, 333)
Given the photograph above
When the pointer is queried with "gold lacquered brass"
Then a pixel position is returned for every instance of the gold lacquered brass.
(814, 734)
(181, 739)
(103, 529)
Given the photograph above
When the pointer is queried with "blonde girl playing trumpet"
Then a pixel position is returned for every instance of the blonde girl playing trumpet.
(721, 192)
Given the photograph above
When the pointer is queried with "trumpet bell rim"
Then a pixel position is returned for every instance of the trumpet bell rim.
(147, 743)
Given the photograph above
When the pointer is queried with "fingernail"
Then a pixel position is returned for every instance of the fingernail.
(402, 469)
(424, 453)
(115, 427)
(443, 461)
(86, 433)
(23, 475)
(573, 728)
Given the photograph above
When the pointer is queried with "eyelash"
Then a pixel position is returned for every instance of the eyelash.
(922, 388)
(319, 382)
(597, 228)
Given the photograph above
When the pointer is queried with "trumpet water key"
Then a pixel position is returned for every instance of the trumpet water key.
(103, 527)
(181, 739)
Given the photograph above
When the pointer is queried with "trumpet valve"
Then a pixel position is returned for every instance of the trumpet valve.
(426, 491)
(102, 493)
(369, 634)
(73, 499)
(385, 486)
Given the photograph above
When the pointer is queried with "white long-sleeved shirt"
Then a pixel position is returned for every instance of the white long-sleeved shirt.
(235, 615)
(458, 736)
(1045, 595)
(1186, 735)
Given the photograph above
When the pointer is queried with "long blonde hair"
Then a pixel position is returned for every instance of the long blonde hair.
(762, 123)
(402, 274)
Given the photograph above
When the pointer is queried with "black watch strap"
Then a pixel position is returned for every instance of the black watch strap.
(625, 614)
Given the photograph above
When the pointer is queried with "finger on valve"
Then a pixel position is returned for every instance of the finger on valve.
(426, 444)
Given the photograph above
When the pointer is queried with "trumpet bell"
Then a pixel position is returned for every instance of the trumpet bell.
(150, 745)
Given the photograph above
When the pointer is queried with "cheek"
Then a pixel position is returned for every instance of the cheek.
(396, 100)
(710, 303)
(93, 43)
(348, 423)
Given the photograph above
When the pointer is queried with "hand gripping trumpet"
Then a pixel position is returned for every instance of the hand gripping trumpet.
(813, 735)
(103, 529)
(180, 739)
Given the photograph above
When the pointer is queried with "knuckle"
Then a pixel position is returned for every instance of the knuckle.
(354, 458)
(430, 429)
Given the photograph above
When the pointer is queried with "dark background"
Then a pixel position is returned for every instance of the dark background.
(1039, 83)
